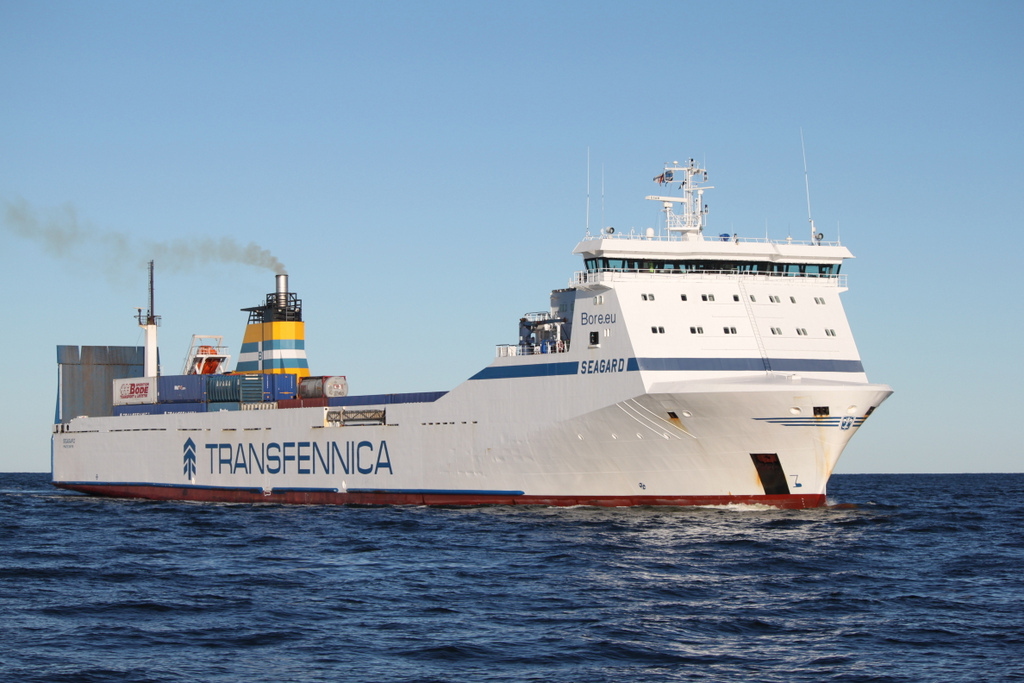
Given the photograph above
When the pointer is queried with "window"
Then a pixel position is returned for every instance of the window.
(595, 338)
(599, 299)
(647, 297)
(792, 299)
(735, 297)
(776, 330)
(801, 331)
(729, 330)
(829, 332)
(819, 300)
(707, 297)
(820, 411)
(696, 330)
(773, 299)
(753, 299)
(657, 330)
(683, 297)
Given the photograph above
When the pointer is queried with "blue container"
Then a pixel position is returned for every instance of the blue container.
(181, 388)
(368, 400)
(213, 407)
(279, 387)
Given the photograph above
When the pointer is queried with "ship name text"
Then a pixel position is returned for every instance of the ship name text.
(299, 457)
(599, 365)
(599, 319)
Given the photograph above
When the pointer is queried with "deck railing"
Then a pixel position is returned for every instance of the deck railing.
(591, 277)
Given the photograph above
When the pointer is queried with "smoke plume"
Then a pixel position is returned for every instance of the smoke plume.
(62, 234)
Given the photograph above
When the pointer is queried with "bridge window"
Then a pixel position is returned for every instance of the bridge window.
(766, 267)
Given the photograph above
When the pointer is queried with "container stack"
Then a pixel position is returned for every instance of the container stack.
(201, 393)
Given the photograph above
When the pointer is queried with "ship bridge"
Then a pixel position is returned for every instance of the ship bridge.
(684, 246)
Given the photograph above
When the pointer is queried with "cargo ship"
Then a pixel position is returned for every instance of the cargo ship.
(677, 367)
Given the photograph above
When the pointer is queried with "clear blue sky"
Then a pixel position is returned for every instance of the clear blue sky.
(421, 171)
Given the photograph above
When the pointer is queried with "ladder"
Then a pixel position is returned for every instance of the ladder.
(753, 325)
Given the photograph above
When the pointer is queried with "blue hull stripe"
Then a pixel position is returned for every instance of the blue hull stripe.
(534, 370)
(678, 365)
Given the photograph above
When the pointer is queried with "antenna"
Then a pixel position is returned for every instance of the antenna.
(807, 187)
(588, 191)
(602, 196)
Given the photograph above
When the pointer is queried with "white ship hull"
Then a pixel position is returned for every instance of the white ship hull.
(466, 448)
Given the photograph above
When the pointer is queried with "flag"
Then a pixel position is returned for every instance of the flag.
(660, 179)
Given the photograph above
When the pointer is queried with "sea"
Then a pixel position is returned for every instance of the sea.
(908, 577)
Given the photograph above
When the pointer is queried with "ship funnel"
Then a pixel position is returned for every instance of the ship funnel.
(282, 289)
(274, 340)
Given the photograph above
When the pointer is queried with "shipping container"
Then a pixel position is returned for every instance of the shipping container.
(368, 400)
(181, 388)
(259, 406)
(134, 390)
(323, 387)
(302, 403)
(278, 387)
(246, 388)
(223, 388)
(215, 406)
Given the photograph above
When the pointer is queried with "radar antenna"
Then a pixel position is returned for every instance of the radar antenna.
(691, 222)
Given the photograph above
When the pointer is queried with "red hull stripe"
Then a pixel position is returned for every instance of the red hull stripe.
(454, 498)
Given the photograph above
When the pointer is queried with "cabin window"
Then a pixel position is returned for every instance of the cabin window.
(682, 297)
(792, 299)
(830, 332)
(773, 299)
(729, 330)
(696, 330)
(801, 331)
(820, 411)
(735, 297)
(819, 300)
(707, 297)
(657, 330)
(753, 299)
(777, 330)
(595, 338)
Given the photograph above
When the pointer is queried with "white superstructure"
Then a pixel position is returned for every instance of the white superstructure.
(677, 368)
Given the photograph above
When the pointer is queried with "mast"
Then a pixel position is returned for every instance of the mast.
(149, 323)
(691, 222)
